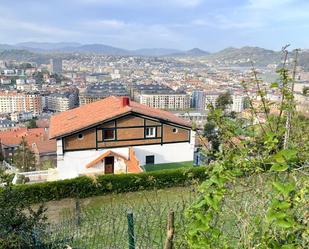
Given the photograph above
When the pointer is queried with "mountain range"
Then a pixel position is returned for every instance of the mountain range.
(41, 52)
(69, 47)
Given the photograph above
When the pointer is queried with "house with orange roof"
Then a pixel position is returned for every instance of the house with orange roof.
(117, 135)
(36, 138)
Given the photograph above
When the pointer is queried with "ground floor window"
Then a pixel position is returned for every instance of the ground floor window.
(150, 159)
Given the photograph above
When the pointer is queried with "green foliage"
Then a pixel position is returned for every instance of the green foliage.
(39, 78)
(31, 124)
(248, 148)
(18, 221)
(24, 158)
(305, 90)
(223, 101)
(104, 184)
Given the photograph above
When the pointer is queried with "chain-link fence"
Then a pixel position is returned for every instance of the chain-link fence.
(119, 226)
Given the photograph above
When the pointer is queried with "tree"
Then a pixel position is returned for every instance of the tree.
(305, 90)
(224, 100)
(31, 124)
(24, 158)
(18, 229)
(211, 133)
(38, 76)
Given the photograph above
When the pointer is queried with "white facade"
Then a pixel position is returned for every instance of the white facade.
(238, 103)
(60, 102)
(73, 164)
(166, 101)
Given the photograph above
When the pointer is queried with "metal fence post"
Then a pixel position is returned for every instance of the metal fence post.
(131, 230)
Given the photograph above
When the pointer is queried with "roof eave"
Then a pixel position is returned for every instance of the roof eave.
(59, 136)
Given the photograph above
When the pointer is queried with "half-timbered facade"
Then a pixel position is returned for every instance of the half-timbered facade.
(116, 135)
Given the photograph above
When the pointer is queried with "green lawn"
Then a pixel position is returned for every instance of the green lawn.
(104, 223)
(154, 167)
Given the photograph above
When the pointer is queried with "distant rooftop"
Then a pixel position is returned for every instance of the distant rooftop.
(155, 89)
(106, 89)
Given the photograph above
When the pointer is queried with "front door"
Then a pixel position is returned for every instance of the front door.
(109, 165)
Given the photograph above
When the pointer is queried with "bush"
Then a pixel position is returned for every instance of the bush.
(85, 186)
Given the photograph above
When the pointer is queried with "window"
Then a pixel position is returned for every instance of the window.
(175, 130)
(150, 159)
(80, 136)
(109, 134)
(150, 132)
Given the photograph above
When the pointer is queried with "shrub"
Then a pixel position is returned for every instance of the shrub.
(85, 186)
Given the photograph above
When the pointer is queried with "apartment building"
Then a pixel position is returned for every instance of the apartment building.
(60, 102)
(201, 100)
(99, 91)
(13, 101)
(56, 65)
(160, 97)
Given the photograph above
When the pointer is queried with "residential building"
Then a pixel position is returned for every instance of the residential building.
(211, 98)
(201, 100)
(37, 140)
(197, 117)
(239, 102)
(56, 65)
(198, 100)
(21, 116)
(116, 135)
(6, 124)
(99, 91)
(97, 77)
(5, 81)
(160, 97)
(60, 102)
(12, 101)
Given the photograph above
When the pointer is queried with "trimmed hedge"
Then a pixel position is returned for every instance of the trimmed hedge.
(85, 186)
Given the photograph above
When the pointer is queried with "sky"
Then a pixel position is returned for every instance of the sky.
(211, 25)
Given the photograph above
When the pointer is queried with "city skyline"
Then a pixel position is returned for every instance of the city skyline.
(178, 24)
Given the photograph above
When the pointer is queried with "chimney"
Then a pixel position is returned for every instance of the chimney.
(125, 101)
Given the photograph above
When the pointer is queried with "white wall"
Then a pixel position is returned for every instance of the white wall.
(167, 153)
(72, 164)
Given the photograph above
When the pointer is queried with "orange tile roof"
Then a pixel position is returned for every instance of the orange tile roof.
(37, 136)
(100, 158)
(94, 113)
(132, 162)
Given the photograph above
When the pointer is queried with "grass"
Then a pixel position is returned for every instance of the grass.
(104, 218)
(59, 210)
(161, 166)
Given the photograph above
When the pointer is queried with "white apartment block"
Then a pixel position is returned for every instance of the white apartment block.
(58, 102)
(12, 101)
(175, 101)
(238, 101)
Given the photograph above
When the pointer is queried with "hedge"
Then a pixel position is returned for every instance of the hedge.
(104, 184)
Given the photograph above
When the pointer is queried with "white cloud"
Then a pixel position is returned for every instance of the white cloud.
(223, 22)
(10, 24)
(105, 24)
